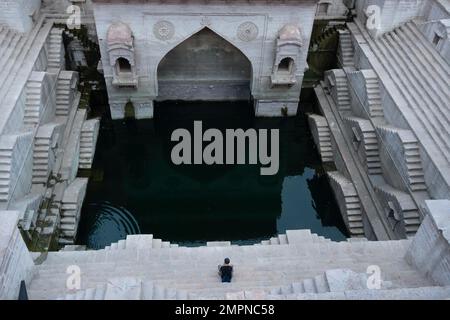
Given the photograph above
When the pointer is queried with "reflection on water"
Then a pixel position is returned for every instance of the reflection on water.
(191, 204)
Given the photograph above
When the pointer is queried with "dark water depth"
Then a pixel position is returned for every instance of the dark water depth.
(135, 188)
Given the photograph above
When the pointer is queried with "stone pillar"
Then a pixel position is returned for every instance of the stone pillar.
(430, 249)
(16, 263)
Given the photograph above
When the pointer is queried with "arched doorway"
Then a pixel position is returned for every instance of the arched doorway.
(204, 67)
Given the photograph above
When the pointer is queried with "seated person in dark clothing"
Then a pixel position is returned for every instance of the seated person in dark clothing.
(226, 271)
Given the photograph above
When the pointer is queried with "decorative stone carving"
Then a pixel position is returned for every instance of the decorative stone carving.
(164, 30)
(247, 31)
(289, 43)
(206, 21)
(121, 55)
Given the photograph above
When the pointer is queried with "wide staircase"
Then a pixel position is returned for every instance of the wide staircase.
(421, 76)
(171, 272)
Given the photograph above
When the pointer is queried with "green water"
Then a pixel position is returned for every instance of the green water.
(135, 188)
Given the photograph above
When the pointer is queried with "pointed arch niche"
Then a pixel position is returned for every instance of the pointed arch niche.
(204, 67)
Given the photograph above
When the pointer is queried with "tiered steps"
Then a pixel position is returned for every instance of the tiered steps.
(345, 50)
(322, 136)
(41, 159)
(16, 69)
(5, 173)
(370, 143)
(372, 152)
(422, 293)
(411, 163)
(405, 203)
(349, 203)
(12, 43)
(88, 141)
(297, 236)
(63, 92)
(33, 101)
(56, 50)
(140, 241)
(414, 166)
(128, 288)
(421, 76)
(70, 210)
(373, 95)
(192, 271)
(342, 92)
(336, 280)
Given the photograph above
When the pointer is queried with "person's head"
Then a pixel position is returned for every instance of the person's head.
(227, 261)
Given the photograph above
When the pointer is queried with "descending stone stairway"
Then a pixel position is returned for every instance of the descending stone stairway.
(342, 92)
(33, 100)
(284, 239)
(348, 201)
(405, 204)
(63, 93)
(414, 166)
(12, 60)
(411, 163)
(322, 137)
(345, 50)
(56, 49)
(41, 159)
(370, 143)
(180, 272)
(373, 95)
(70, 210)
(11, 44)
(420, 75)
(5, 173)
(88, 140)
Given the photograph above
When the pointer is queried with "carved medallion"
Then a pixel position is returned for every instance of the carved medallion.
(164, 30)
(247, 31)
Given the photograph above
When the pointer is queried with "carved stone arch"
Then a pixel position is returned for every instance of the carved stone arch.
(194, 32)
(205, 42)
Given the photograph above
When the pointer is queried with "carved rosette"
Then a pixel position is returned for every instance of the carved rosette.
(247, 31)
(164, 30)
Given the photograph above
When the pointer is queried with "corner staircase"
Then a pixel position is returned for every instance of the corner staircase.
(405, 203)
(5, 173)
(345, 49)
(66, 80)
(375, 107)
(414, 166)
(41, 159)
(411, 163)
(321, 133)
(56, 50)
(33, 101)
(349, 203)
(343, 95)
(70, 210)
(88, 141)
(370, 143)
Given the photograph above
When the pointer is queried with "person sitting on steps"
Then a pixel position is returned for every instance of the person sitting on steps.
(226, 271)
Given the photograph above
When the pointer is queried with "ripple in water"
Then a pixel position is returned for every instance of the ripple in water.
(111, 225)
